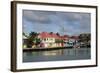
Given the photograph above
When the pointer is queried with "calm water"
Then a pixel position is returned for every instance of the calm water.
(57, 55)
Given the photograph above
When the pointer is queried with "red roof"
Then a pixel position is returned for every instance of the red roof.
(48, 35)
(52, 35)
(64, 37)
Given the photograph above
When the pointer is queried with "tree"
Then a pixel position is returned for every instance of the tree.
(33, 34)
(25, 35)
(51, 32)
(57, 34)
(85, 38)
(33, 39)
(37, 41)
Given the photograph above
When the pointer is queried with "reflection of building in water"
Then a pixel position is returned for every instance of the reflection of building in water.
(52, 53)
(60, 52)
(68, 52)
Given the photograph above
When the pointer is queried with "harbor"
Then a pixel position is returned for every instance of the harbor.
(45, 49)
(57, 55)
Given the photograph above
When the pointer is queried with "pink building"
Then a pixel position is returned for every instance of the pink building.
(52, 39)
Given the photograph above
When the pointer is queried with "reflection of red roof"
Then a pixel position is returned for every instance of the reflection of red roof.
(52, 35)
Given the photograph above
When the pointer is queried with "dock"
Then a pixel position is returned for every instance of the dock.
(45, 49)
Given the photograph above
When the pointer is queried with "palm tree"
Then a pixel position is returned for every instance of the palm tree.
(33, 39)
(33, 34)
(25, 34)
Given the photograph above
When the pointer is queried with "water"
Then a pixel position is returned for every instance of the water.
(57, 55)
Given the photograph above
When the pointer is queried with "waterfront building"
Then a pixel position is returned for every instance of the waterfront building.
(52, 39)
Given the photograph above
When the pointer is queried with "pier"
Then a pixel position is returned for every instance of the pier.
(45, 49)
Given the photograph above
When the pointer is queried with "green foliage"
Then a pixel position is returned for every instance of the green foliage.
(36, 40)
(85, 38)
(33, 34)
(59, 41)
(32, 39)
(25, 35)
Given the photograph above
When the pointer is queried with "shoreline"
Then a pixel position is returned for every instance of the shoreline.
(45, 49)
(50, 48)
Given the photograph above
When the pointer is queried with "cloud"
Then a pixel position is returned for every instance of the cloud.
(36, 16)
(76, 22)
(67, 22)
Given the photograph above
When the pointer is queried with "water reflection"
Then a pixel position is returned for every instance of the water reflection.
(56, 55)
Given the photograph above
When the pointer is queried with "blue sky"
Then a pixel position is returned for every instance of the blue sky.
(70, 23)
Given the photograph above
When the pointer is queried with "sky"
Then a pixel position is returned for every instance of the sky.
(65, 23)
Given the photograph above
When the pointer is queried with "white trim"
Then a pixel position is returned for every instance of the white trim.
(21, 65)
